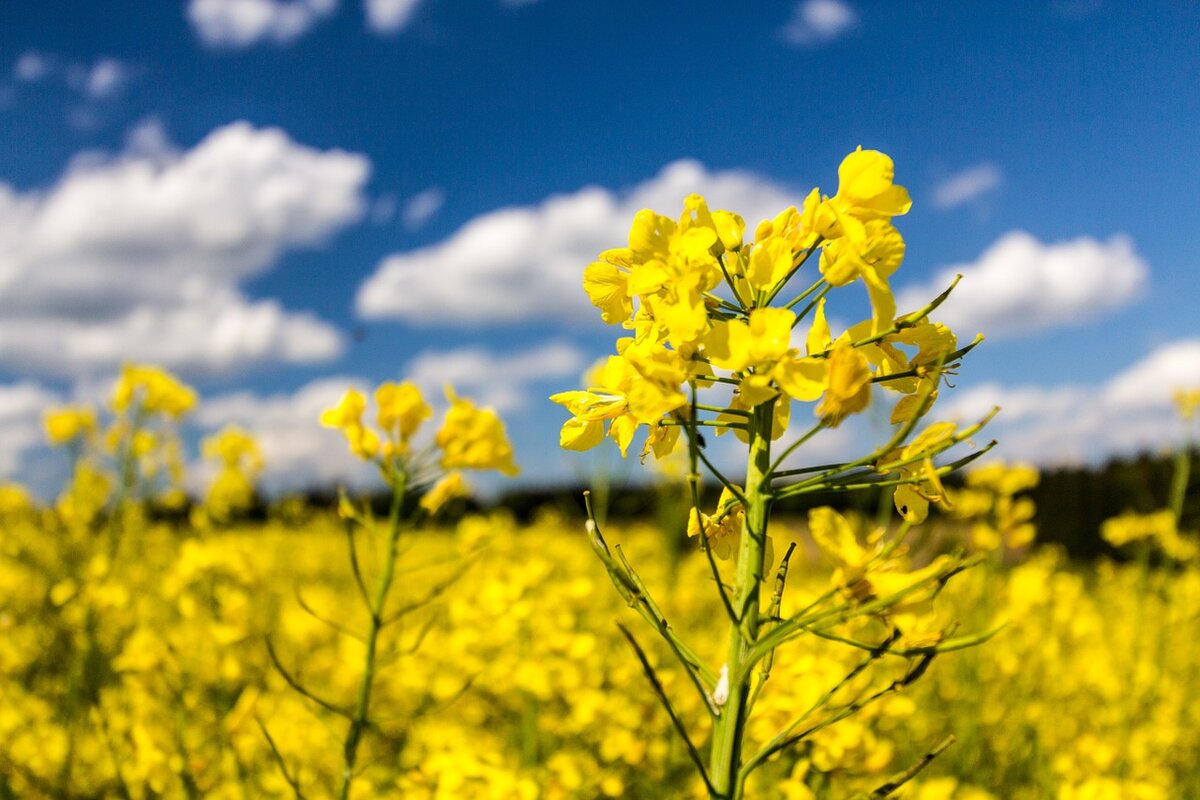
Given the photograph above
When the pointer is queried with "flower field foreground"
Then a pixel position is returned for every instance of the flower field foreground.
(521, 685)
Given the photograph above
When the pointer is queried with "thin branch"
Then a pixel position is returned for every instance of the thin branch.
(652, 676)
(907, 775)
(291, 681)
(283, 767)
(332, 623)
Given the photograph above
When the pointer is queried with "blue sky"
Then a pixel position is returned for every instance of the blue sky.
(279, 197)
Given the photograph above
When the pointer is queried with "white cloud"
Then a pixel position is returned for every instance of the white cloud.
(817, 22)
(1072, 424)
(390, 16)
(142, 256)
(522, 263)
(21, 408)
(1020, 286)
(242, 23)
(966, 185)
(500, 381)
(32, 66)
(421, 207)
(1150, 382)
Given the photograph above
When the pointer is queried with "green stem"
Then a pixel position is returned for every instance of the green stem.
(1179, 480)
(728, 728)
(360, 717)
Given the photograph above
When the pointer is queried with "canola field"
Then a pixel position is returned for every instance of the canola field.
(160, 646)
(147, 674)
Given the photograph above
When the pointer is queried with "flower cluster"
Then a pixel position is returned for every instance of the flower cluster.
(666, 287)
(996, 503)
(469, 438)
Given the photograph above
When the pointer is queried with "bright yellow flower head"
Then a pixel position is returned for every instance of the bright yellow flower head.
(849, 388)
(14, 499)
(154, 389)
(69, 423)
(474, 438)
(348, 411)
(866, 189)
(346, 416)
(402, 409)
(449, 487)
(234, 448)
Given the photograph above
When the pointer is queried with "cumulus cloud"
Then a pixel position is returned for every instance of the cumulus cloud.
(966, 185)
(142, 256)
(1077, 423)
(390, 16)
(243, 23)
(516, 264)
(495, 379)
(1020, 286)
(421, 207)
(817, 22)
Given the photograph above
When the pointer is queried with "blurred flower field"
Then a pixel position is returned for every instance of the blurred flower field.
(150, 676)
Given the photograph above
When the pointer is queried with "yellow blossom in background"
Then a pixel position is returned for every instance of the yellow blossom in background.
(241, 461)
(153, 390)
(474, 438)
(402, 409)
(14, 499)
(1158, 528)
(450, 486)
(70, 423)
(346, 416)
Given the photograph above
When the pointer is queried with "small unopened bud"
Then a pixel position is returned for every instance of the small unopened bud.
(721, 692)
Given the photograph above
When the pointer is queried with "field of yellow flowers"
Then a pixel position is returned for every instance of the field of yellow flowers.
(150, 676)
(156, 646)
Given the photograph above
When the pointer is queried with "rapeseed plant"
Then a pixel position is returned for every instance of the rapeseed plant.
(700, 303)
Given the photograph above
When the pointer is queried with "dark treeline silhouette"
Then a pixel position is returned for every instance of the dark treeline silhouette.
(1072, 502)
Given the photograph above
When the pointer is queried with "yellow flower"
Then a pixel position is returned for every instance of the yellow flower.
(915, 462)
(14, 499)
(449, 487)
(474, 438)
(723, 528)
(346, 416)
(154, 390)
(671, 266)
(607, 286)
(348, 411)
(636, 387)
(849, 389)
(402, 409)
(233, 447)
(866, 189)
(69, 423)
(763, 344)
(1158, 527)
(862, 572)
